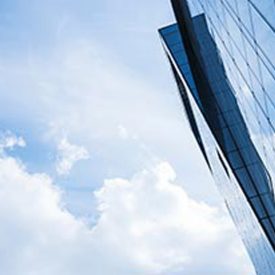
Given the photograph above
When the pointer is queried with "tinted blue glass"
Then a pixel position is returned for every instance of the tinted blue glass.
(236, 160)
(259, 177)
(256, 202)
(168, 29)
(246, 182)
(238, 157)
(232, 117)
(268, 203)
(172, 38)
(254, 178)
(228, 142)
(249, 154)
(270, 229)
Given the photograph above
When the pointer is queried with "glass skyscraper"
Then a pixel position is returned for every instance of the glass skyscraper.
(217, 120)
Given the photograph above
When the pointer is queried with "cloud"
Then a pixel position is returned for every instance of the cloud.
(122, 132)
(147, 225)
(9, 140)
(68, 155)
(163, 230)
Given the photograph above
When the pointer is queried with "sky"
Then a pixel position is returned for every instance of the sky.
(99, 172)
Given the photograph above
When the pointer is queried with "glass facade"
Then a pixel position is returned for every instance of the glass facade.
(244, 32)
(221, 131)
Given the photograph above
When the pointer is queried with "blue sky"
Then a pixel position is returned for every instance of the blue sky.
(99, 172)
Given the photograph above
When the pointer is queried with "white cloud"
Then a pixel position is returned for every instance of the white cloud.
(148, 225)
(68, 155)
(162, 229)
(8, 141)
(122, 132)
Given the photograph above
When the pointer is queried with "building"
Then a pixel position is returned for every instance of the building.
(221, 132)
